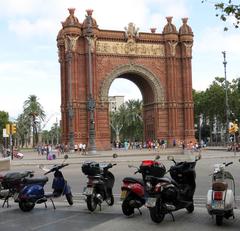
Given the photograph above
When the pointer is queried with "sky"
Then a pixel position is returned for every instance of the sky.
(29, 61)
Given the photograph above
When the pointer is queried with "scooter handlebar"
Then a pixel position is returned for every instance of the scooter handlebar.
(55, 168)
(229, 163)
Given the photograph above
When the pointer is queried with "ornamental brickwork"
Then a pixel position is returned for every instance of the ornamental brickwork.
(158, 63)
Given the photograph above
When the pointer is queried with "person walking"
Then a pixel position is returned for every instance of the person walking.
(84, 149)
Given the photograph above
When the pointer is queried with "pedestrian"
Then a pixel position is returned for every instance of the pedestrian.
(80, 148)
(84, 149)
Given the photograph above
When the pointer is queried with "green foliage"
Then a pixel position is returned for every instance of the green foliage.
(210, 104)
(32, 112)
(4, 118)
(227, 9)
(127, 120)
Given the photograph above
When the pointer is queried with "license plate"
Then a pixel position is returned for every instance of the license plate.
(218, 204)
(88, 191)
(123, 194)
(151, 202)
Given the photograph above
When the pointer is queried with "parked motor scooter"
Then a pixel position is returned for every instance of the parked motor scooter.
(134, 190)
(221, 198)
(11, 183)
(172, 194)
(99, 185)
(33, 193)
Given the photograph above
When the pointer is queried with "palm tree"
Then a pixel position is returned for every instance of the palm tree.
(134, 119)
(32, 111)
(127, 122)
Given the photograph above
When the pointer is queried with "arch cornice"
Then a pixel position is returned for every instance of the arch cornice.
(140, 70)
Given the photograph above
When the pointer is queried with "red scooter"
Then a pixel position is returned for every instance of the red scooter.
(134, 190)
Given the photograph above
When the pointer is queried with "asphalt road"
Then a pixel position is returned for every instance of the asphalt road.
(77, 217)
(204, 168)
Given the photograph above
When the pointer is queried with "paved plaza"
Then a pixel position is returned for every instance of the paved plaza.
(77, 217)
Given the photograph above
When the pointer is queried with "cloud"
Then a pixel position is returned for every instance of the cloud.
(26, 77)
(126, 88)
(27, 29)
(214, 39)
(117, 14)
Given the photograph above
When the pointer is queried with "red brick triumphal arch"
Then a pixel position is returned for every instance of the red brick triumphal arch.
(158, 63)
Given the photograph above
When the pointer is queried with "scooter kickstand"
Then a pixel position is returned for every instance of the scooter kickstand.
(54, 207)
(140, 212)
(6, 201)
(172, 216)
(45, 205)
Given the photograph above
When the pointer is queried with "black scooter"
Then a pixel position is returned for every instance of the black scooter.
(99, 185)
(172, 194)
(11, 183)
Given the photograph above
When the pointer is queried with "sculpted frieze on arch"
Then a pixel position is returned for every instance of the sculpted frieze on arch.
(140, 70)
(129, 48)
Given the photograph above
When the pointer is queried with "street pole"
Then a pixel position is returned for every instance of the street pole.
(91, 101)
(226, 96)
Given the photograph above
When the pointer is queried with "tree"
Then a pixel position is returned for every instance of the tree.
(33, 110)
(23, 129)
(228, 9)
(127, 122)
(4, 118)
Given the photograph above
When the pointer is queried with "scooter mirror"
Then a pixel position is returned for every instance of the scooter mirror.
(65, 156)
(41, 166)
(170, 158)
(115, 155)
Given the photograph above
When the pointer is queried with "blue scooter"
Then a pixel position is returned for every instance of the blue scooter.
(33, 193)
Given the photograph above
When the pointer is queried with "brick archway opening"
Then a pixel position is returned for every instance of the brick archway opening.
(150, 88)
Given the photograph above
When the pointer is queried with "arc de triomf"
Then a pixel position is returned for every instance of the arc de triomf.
(158, 63)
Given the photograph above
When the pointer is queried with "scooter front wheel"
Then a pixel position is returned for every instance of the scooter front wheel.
(190, 208)
(156, 213)
(69, 198)
(26, 206)
(91, 203)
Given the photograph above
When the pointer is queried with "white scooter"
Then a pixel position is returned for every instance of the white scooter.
(221, 198)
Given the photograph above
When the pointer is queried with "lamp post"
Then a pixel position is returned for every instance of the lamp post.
(70, 109)
(226, 96)
(91, 101)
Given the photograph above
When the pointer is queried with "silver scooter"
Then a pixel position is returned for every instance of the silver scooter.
(221, 198)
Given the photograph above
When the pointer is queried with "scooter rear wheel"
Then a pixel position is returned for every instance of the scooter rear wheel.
(126, 208)
(91, 203)
(69, 198)
(219, 220)
(26, 206)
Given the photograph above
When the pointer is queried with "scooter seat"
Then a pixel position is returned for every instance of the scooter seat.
(36, 180)
(219, 186)
(133, 180)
